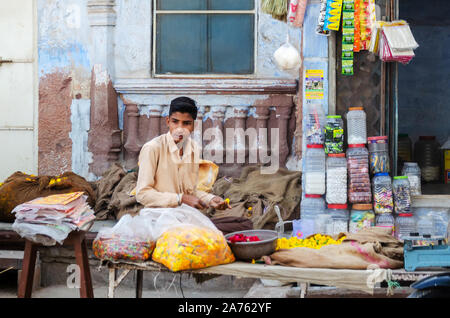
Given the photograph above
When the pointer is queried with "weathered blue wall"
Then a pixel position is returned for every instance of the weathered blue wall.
(424, 94)
(71, 42)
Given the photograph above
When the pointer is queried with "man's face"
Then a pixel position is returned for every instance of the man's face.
(181, 125)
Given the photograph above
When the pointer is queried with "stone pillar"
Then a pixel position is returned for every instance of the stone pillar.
(104, 139)
(283, 116)
(214, 150)
(262, 117)
(102, 19)
(197, 134)
(132, 145)
(240, 149)
(154, 129)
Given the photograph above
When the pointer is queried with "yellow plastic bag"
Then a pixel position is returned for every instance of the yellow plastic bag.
(192, 247)
(207, 175)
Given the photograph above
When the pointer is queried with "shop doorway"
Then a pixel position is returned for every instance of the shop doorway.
(423, 93)
(18, 87)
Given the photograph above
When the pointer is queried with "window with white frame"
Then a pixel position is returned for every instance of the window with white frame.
(204, 37)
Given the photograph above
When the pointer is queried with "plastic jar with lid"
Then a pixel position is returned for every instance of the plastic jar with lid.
(359, 187)
(402, 194)
(314, 123)
(311, 205)
(385, 220)
(334, 134)
(356, 126)
(361, 217)
(339, 216)
(425, 226)
(383, 201)
(314, 174)
(427, 154)
(404, 148)
(405, 225)
(379, 155)
(336, 179)
(412, 171)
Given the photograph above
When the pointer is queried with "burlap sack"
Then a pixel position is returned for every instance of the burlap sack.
(20, 188)
(371, 246)
(261, 192)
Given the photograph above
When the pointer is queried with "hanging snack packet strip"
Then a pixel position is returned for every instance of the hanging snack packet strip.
(348, 36)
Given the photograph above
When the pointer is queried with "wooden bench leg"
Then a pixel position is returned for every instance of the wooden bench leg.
(26, 278)
(112, 282)
(81, 256)
(139, 281)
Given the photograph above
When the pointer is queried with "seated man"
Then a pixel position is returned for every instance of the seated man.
(169, 165)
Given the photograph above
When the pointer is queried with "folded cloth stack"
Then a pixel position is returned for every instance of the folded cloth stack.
(48, 220)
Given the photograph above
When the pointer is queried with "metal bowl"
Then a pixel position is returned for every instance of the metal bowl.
(254, 250)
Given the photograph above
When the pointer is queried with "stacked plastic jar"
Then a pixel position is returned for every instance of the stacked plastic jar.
(385, 220)
(427, 153)
(314, 170)
(382, 193)
(405, 225)
(379, 155)
(359, 188)
(314, 124)
(412, 171)
(336, 179)
(402, 195)
(356, 126)
(361, 217)
(334, 135)
(311, 207)
(339, 218)
(425, 226)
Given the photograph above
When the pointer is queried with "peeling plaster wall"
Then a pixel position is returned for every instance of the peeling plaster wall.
(69, 49)
(64, 82)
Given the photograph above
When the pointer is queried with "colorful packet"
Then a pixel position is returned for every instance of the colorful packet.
(347, 67)
(347, 51)
(333, 15)
(321, 19)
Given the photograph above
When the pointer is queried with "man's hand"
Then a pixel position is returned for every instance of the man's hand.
(193, 201)
(219, 204)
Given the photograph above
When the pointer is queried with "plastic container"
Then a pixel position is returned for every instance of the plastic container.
(385, 220)
(440, 216)
(379, 158)
(383, 201)
(356, 126)
(427, 154)
(339, 218)
(361, 217)
(404, 148)
(425, 226)
(336, 179)
(402, 195)
(359, 187)
(311, 206)
(377, 140)
(412, 171)
(314, 124)
(314, 170)
(324, 224)
(334, 134)
(405, 225)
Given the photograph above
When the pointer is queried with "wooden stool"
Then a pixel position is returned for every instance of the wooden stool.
(29, 261)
